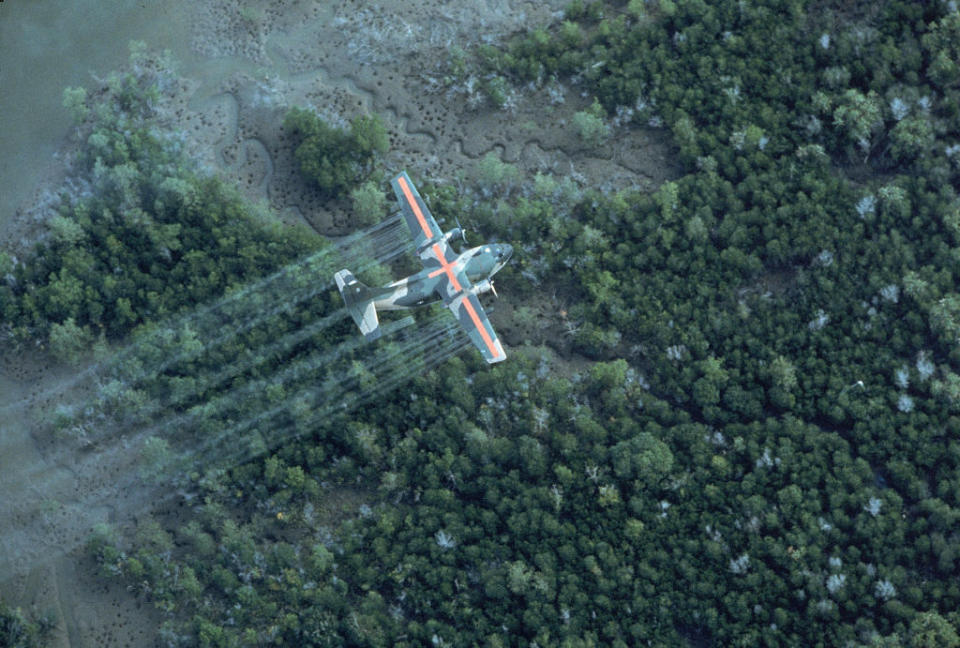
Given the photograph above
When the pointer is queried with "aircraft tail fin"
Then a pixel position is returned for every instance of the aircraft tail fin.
(359, 300)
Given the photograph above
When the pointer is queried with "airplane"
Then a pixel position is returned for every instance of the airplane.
(455, 278)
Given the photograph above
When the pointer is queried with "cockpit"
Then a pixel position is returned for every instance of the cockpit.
(486, 260)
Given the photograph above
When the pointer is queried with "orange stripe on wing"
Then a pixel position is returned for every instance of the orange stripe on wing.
(405, 188)
(494, 351)
(471, 311)
(445, 267)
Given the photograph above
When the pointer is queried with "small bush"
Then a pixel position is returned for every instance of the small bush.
(68, 341)
(495, 174)
(369, 203)
(590, 125)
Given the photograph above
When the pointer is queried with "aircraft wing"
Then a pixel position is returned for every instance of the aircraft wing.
(427, 235)
(468, 311)
(454, 286)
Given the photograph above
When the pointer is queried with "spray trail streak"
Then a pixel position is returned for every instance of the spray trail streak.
(95, 427)
(249, 360)
(249, 392)
(253, 303)
(159, 350)
(336, 392)
(114, 470)
(37, 528)
(274, 296)
(112, 427)
(441, 345)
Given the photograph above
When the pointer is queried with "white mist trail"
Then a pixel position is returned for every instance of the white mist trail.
(56, 517)
(240, 310)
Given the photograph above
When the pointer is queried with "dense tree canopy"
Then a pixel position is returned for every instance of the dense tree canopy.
(759, 443)
(144, 237)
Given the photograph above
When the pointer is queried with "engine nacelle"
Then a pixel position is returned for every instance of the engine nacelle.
(482, 287)
(455, 232)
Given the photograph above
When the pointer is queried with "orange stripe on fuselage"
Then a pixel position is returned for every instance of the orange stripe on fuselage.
(405, 188)
(483, 330)
(445, 267)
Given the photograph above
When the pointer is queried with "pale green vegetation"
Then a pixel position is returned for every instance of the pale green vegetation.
(590, 124)
(334, 160)
(369, 203)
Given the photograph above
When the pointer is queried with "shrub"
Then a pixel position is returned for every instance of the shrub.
(496, 174)
(69, 341)
(369, 203)
(590, 125)
(332, 159)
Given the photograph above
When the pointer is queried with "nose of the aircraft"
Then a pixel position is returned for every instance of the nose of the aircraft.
(507, 251)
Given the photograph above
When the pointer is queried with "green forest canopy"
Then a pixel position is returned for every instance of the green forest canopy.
(766, 446)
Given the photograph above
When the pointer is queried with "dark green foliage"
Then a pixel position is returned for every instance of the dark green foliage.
(767, 452)
(149, 259)
(20, 631)
(737, 285)
(154, 237)
(334, 160)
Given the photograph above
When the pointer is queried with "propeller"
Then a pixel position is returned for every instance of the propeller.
(463, 232)
(493, 289)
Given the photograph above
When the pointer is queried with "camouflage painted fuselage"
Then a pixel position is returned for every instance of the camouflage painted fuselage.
(479, 264)
(456, 279)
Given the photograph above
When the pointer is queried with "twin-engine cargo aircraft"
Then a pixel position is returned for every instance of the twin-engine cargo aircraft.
(457, 279)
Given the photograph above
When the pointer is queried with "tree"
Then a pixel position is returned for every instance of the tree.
(332, 159)
(911, 137)
(590, 124)
(945, 319)
(68, 342)
(75, 101)
(155, 459)
(369, 135)
(21, 631)
(495, 174)
(642, 457)
(940, 43)
(65, 230)
(930, 630)
(706, 390)
(858, 116)
(369, 203)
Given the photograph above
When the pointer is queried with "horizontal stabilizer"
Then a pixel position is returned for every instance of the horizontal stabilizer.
(359, 301)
